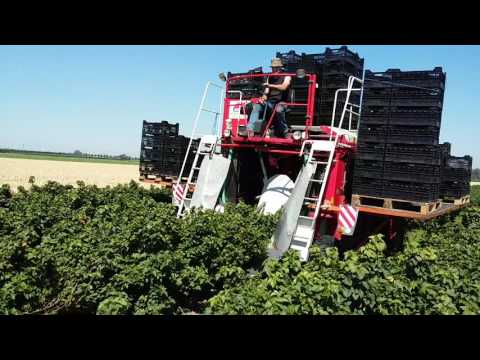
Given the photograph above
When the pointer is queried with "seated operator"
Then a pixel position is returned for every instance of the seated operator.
(275, 93)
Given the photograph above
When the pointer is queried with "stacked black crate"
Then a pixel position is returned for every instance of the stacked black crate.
(163, 150)
(333, 68)
(372, 141)
(298, 92)
(413, 135)
(456, 175)
(406, 107)
(337, 66)
(155, 136)
(174, 154)
(250, 87)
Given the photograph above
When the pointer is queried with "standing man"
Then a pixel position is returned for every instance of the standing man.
(275, 93)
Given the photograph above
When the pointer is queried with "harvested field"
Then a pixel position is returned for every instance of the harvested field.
(16, 172)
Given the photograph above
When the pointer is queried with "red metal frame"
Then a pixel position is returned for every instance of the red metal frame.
(243, 142)
(334, 190)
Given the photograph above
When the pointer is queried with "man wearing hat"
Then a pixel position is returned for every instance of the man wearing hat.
(275, 93)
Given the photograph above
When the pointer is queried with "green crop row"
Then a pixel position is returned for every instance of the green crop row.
(121, 250)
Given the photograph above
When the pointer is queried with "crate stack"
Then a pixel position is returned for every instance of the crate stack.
(250, 87)
(163, 150)
(333, 68)
(455, 177)
(298, 92)
(398, 152)
(337, 66)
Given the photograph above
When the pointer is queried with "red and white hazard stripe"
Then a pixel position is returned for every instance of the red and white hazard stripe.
(347, 219)
(178, 191)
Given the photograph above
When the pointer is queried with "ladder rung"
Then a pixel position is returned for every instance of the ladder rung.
(317, 180)
(322, 162)
(305, 217)
(301, 238)
(353, 112)
(210, 111)
(309, 198)
(196, 168)
(298, 243)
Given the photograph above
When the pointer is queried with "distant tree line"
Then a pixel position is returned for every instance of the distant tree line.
(476, 175)
(76, 153)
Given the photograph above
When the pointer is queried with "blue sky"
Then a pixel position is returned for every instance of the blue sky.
(94, 98)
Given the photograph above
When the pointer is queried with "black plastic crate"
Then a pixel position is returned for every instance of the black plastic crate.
(377, 81)
(368, 169)
(317, 59)
(155, 141)
(340, 66)
(373, 110)
(328, 96)
(446, 148)
(453, 174)
(289, 57)
(410, 119)
(151, 155)
(415, 154)
(435, 74)
(432, 102)
(415, 92)
(410, 191)
(163, 128)
(431, 110)
(422, 173)
(338, 81)
(421, 135)
(367, 120)
(456, 184)
(404, 102)
(453, 194)
(372, 133)
(376, 92)
(454, 189)
(367, 186)
(376, 101)
(370, 151)
(415, 118)
(299, 94)
(464, 162)
(425, 79)
(342, 52)
(250, 88)
(293, 61)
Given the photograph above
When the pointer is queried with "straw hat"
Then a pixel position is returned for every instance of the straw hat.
(276, 62)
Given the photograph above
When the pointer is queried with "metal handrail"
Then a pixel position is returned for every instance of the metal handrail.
(349, 89)
(195, 124)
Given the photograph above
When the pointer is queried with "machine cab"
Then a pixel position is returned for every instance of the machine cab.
(243, 90)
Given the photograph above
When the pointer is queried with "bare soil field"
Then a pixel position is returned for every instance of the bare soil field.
(16, 172)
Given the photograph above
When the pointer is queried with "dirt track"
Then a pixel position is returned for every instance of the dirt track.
(16, 172)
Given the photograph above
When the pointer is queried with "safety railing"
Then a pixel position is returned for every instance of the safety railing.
(309, 105)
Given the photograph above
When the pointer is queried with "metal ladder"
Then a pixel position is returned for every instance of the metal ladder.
(216, 129)
(321, 157)
(206, 147)
(321, 149)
